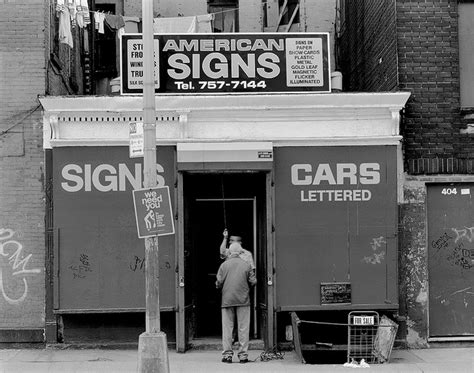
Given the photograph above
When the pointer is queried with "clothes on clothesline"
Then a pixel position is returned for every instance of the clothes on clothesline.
(65, 34)
(201, 24)
(76, 12)
(70, 14)
(99, 19)
(114, 22)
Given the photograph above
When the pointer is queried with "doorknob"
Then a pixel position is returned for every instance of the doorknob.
(269, 280)
(181, 282)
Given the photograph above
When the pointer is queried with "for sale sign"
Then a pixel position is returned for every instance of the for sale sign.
(228, 63)
(153, 212)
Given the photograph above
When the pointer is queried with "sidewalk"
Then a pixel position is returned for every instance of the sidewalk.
(111, 361)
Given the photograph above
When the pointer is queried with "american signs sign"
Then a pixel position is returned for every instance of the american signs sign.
(230, 63)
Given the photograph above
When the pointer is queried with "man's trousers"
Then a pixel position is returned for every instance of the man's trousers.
(243, 322)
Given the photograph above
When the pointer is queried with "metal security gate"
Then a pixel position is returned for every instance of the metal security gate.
(451, 260)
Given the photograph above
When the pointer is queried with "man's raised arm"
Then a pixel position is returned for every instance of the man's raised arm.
(223, 248)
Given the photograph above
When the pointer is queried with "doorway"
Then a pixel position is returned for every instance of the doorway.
(211, 203)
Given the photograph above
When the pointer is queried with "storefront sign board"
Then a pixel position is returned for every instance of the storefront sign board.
(230, 63)
(94, 219)
(336, 219)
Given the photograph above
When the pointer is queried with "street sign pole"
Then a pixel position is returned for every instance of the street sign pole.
(152, 345)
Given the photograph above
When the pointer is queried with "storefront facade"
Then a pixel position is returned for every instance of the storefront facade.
(310, 181)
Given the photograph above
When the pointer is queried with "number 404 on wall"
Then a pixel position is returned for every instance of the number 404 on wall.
(449, 191)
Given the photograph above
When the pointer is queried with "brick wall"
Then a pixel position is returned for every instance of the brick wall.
(429, 68)
(366, 45)
(22, 78)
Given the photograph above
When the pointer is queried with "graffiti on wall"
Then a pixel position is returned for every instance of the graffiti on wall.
(13, 267)
(464, 233)
(138, 264)
(460, 254)
(378, 253)
(79, 270)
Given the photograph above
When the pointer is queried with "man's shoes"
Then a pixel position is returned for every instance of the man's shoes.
(227, 359)
(244, 361)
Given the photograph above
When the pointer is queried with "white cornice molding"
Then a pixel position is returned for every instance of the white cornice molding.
(123, 104)
(341, 118)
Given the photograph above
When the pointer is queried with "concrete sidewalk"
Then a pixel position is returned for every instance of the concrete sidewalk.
(111, 361)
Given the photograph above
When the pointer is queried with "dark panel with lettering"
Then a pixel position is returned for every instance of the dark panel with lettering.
(451, 259)
(230, 63)
(336, 221)
(100, 257)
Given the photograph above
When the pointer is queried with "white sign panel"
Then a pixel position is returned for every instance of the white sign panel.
(136, 140)
(304, 62)
(134, 58)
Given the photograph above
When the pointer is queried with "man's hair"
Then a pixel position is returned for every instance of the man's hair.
(235, 248)
(235, 239)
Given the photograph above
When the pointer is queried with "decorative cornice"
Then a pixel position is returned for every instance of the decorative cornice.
(341, 118)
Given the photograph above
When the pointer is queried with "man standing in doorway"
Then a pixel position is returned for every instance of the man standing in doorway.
(245, 255)
(235, 277)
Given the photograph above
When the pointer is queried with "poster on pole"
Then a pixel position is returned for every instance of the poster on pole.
(136, 138)
(230, 63)
(153, 212)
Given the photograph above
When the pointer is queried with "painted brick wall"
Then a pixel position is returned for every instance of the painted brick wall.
(429, 68)
(366, 45)
(22, 78)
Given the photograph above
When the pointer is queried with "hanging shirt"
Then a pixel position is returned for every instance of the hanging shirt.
(86, 13)
(65, 35)
(82, 13)
(99, 19)
(60, 5)
(114, 22)
(72, 6)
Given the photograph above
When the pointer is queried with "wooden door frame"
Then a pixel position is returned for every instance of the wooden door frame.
(269, 337)
(180, 279)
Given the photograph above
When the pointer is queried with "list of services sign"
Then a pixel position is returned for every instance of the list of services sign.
(226, 63)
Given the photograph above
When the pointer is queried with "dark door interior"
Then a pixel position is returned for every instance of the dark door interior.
(212, 203)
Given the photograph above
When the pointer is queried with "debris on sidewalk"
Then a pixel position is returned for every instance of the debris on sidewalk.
(355, 364)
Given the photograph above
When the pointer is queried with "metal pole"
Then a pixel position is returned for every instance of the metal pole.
(152, 345)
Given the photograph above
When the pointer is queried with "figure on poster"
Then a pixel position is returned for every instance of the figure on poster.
(235, 277)
(244, 254)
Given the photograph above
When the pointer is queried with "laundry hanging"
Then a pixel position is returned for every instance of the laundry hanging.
(82, 16)
(99, 19)
(64, 15)
(201, 24)
(114, 22)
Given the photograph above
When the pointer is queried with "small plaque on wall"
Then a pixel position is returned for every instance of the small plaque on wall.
(336, 293)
